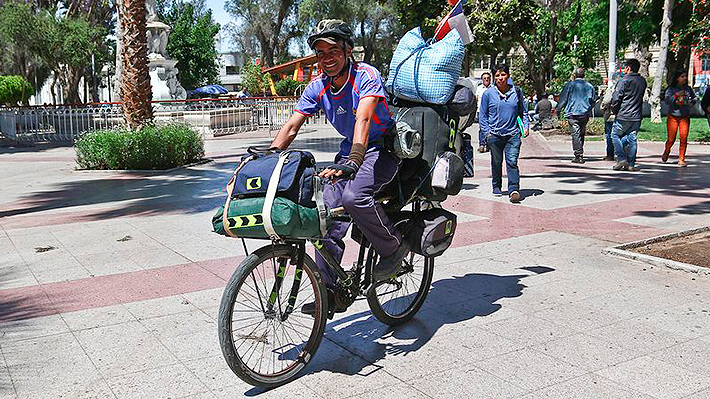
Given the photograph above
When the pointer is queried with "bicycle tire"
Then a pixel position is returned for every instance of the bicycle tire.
(231, 292)
(395, 319)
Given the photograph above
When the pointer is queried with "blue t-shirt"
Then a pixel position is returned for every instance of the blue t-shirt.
(340, 107)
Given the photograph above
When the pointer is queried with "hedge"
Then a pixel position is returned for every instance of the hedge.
(150, 147)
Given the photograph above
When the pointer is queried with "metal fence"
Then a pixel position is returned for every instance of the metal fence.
(209, 117)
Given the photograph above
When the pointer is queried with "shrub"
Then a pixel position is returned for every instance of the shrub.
(14, 89)
(150, 147)
(254, 80)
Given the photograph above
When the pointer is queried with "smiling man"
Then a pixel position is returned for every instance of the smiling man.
(352, 97)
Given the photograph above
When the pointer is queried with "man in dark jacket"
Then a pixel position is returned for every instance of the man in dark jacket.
(705, 104)
(627, 105)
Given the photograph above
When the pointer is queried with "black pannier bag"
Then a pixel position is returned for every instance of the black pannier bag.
(447, 173)
(431, 231)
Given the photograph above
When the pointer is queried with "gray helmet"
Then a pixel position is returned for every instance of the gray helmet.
(331, 30)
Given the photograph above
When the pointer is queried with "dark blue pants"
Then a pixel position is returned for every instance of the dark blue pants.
(510, 147)
(357, 197)
(624, 136)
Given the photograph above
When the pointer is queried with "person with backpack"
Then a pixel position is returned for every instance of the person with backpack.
(352, 96)
(627, 106)
(503, 119)
(608, 116)
(680, 99)
(577, 99)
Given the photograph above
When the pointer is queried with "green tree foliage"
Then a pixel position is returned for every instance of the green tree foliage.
(272, 22)
(422, 13)
(287, 86)
(375, 25)
(14, 89)
(254, 80)
(191, 41)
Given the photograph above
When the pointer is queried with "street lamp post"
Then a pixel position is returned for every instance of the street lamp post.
(612, 37)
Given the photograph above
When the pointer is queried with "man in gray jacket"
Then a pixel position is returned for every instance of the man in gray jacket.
(577, 99)
(627, 105)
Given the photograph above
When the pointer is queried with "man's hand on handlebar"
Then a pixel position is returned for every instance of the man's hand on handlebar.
(346, 170)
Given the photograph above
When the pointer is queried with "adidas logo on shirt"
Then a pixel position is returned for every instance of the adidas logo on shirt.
(340, 111)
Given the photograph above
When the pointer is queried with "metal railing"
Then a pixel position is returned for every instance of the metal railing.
(211, 117)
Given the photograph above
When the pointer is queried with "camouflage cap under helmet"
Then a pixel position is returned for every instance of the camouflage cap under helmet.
(331, 31)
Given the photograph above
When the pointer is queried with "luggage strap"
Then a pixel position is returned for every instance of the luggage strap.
(271, 195)
(320, 204)
(230, 190)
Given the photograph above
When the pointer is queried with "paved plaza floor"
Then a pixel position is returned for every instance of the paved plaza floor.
(110, 284)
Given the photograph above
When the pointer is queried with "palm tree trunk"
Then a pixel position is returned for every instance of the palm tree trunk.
(135, 80)
(661, 67)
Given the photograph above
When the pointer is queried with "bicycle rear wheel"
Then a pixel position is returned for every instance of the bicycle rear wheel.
(264, 337)
(397, 300)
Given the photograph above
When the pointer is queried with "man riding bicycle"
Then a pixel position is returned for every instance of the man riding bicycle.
(352, 96)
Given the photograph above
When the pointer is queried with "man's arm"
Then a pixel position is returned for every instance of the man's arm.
(618, 97)
(288, 131)
(483, 115)
(562, 101)
(363, 118)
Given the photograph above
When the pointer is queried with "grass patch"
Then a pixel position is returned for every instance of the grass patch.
(649, 131)
(150, 147)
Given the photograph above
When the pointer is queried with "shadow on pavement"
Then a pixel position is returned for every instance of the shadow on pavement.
(188, 190)
(360, 337)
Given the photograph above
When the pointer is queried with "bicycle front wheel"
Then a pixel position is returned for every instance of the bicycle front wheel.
(397, 300)
(264, 337)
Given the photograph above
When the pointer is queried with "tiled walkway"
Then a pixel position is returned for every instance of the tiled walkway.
(110, 284)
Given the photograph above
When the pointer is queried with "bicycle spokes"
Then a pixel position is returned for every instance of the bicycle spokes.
(269, 337)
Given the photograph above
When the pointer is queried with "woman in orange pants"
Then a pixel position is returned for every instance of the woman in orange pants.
(680, 98)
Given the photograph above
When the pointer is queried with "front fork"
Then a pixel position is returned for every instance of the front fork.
(274, 297)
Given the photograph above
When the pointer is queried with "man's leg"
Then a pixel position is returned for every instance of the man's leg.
(609, 143)
(633, 146)
(575, 128)
(378, 169)
(616, 135)
(496, 145)
(512, 151)
(333, 240)
(583, 132)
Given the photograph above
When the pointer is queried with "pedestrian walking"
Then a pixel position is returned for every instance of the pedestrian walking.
(485, 85)
(543, 114)
(627, 105)
(705, 104)
(503, 119)
(608, 116)
(577, 100)
(680, 99)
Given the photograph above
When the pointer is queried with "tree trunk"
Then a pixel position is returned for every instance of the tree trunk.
(135, 81)
(660, 68)
(644, 55)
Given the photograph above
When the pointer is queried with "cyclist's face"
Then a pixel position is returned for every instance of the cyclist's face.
(331, 57)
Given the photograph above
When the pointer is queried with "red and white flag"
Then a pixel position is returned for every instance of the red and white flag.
(455, 19)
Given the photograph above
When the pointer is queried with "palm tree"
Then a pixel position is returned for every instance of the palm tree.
(655, 100)
(135, 81)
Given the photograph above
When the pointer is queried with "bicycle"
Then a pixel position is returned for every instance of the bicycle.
(260, 314)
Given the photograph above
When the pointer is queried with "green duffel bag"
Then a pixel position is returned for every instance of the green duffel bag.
(244, 219)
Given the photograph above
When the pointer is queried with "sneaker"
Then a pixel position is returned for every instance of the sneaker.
(579, 159)
(390, 265)
(497, 192)
(514, 197)
(608, 158)
(682, 163)
(622, 165)
(665, 155)
(482, 149)
(633, 169)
